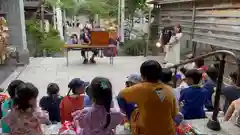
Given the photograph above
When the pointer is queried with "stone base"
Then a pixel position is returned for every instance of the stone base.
(23, 57)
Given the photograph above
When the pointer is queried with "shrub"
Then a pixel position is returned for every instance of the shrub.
(134, 47)
(40, 41)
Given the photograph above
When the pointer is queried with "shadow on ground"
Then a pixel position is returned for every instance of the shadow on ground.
(7, 69)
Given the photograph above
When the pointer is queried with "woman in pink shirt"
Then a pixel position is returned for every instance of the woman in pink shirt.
(100, 118)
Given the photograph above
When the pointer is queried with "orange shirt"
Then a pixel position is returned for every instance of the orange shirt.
(69, 105)
(157, 107)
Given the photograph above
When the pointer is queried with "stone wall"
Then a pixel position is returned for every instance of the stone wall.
(14, 10)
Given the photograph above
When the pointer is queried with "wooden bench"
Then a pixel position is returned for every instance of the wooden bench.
(99, 41)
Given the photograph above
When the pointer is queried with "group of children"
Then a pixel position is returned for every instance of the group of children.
(149, 103)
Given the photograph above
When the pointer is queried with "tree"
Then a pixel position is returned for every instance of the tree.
(132, 6)
(104, 8)
(70, 6)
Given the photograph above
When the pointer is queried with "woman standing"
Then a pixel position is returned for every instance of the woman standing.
(173, 47)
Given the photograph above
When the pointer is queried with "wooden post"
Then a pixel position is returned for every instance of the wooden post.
(192, 29)
(149, 33)
(42, 16)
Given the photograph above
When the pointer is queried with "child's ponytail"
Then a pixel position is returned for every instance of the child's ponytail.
(101, 91)
(107, 106)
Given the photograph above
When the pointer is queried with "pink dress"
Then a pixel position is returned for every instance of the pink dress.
(23, 123)
(92, 120)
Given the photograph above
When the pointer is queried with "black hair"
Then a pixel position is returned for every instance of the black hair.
(195, 75)
(212, 73)
(86, 28)
(166, 75)
(74, 35)
(101, 92)
(180, 28)
(129, 84)
(199, 63)
(183, 70)
(234, 76)
(166, 34)
(12, 87)
(151, 70)
(25, 92)
(52, 89)
(73, 87)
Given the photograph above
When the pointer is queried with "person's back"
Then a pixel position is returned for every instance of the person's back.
(51, 102)
(192, 99)
(70, 104)
(92, 119)
(155, 100)
(98, 119)
(231, 92)
(7, 105)
(209, 85)
(51, 105)
(23, 118)
(157, 108)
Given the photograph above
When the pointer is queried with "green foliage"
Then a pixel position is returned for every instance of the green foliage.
(52, 42)
(40, 41)
(133, 5)
(104, 8)
(134, 47)
(91, 7)
(70, 6)
(64, 4)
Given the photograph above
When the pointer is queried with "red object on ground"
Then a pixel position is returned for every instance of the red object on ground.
(183, 129)
(67, 128)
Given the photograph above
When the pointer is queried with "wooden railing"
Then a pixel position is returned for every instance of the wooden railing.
(213, 123)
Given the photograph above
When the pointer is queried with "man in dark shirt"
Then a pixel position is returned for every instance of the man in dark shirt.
(85, 38)
(231, 92)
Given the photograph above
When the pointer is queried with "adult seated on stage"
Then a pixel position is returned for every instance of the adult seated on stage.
(73, 39)
(85, 39)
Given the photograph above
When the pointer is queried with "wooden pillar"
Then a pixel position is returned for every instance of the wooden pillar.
(192, 29)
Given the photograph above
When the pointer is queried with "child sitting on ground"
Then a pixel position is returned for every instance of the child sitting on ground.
(209, 84)
(71, 103)
(100, 118)
(192, 99)
(128, 108)
(7, 105)
(231, 92)
(23, 119)
(51, 102)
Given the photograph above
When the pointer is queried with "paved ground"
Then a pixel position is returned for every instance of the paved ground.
(42, 71)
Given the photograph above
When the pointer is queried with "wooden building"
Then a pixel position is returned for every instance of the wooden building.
(206, 23)
(32, 8)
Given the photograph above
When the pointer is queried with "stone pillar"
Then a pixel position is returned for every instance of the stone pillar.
(14, 10)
